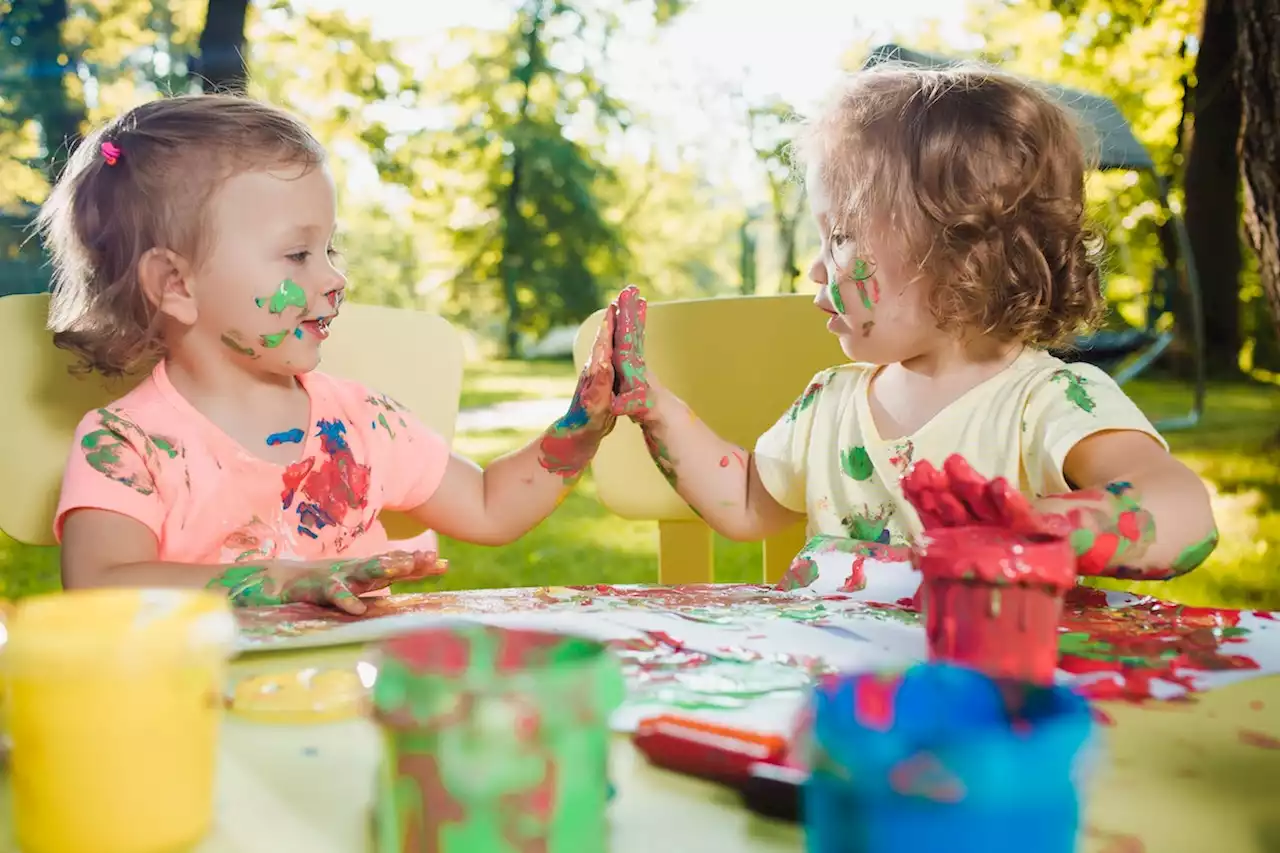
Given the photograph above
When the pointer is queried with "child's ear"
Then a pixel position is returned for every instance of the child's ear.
(165, 277)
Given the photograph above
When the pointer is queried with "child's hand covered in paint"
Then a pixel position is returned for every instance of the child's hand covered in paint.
(635, 396)
(569, 444)
(328, 584)
(958, 496)
(1109, 531)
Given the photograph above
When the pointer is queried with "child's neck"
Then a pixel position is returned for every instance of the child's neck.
(907, 395)
(962, 359)
(222, 390)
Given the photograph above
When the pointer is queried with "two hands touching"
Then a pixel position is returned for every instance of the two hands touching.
(613, 383)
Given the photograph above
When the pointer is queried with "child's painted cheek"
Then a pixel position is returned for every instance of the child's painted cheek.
(868, 285)
(286, 294)
(833, 293)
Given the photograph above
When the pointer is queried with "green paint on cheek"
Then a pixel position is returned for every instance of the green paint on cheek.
(837, 300)
(1196, 553)
(234, 345)
(287, 294)
(273, 341)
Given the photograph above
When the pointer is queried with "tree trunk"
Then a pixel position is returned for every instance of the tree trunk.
(1212, 183)
(221, 67)
(1258, 70)
(61, 117)
(514, 234)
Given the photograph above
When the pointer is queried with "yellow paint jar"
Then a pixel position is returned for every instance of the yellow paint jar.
(115, 698)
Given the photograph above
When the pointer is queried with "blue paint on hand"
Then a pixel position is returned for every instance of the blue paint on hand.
(292, 436)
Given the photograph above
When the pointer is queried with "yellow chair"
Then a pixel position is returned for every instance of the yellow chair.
(409, 355)
(738, 362)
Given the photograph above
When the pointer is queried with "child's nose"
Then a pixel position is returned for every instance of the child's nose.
(818, 272)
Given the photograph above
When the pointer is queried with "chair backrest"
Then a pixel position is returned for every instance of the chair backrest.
(409, 355)
(738, 362)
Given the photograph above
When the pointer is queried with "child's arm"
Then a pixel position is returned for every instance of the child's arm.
(499, 504)
(717, 478)
(103, 548)
(1138, 513)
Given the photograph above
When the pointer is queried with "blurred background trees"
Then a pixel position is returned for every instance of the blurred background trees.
(499, 176)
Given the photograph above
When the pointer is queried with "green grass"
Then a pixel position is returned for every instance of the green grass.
(584, 543)
(487, 383)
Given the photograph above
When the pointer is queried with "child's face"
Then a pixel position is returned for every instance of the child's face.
(268, 287)
(877, 305)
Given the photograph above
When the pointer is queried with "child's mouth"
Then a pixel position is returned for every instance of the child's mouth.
(319, 327)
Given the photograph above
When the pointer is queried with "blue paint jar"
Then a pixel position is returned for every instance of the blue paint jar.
(941, 757)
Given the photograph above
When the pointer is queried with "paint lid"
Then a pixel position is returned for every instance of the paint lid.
(105, 629)
(994, 555)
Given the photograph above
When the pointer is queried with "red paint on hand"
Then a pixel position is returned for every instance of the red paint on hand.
(634, 396)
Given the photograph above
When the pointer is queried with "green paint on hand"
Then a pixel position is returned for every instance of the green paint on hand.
(856, 463)
(288, 293)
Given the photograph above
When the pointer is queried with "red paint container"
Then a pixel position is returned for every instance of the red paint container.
(993, 600)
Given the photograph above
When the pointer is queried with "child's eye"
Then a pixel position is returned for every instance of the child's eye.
(838, 239)
(334, 252)
(299, 257)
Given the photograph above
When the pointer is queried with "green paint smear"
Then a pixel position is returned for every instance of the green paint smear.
(524, 765)
(164, 445)
(856, 463)
(837, 300)
(1196, 553)
(274, 340)
(235, 346)
(287, 294)
(1076, 392)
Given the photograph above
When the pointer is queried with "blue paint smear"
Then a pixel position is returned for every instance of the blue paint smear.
(292, 436)
(333, 434)
(307, 531)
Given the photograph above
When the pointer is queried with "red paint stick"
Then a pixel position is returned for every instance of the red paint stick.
(706, 750)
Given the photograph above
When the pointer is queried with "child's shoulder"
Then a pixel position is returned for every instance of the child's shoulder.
(842, 375)
(144, 405)
(351, 394)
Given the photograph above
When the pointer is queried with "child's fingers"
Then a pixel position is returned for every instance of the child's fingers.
(341, 597)
(971, 488)
(428, 564)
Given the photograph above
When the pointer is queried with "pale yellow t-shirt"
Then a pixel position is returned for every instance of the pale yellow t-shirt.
(824, 457)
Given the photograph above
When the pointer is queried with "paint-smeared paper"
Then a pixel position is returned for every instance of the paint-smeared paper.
(746, 654)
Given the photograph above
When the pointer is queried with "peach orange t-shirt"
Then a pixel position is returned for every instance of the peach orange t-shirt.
(152, 457)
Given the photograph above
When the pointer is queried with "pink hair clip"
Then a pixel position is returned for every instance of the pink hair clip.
(111, 153)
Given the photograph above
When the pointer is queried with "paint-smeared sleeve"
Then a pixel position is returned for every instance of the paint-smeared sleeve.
(112, 466)
(413, 458)
(1069, 405)
(781, 453)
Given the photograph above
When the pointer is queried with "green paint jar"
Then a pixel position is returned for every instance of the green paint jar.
(496, 741)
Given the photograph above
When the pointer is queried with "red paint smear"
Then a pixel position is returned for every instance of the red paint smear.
(736, 457)
(1257, 705)
(1145, 642)
(1134, 645)
(1261, 740)
(874, 701)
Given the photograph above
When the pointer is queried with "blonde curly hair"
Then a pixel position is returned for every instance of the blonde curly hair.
(979, 178)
